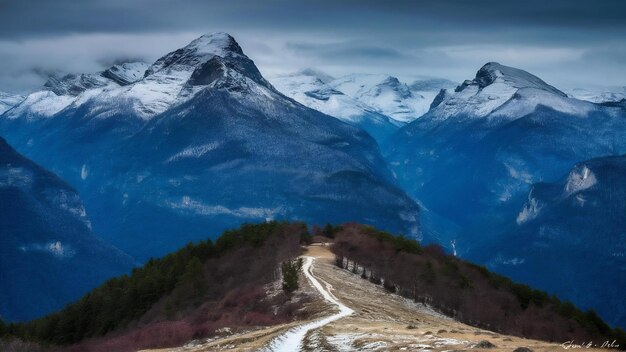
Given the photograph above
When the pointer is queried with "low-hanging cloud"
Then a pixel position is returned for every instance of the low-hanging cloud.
(572, 43)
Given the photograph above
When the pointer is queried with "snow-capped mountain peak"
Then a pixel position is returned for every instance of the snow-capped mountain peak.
(199, 51)
(491, 91)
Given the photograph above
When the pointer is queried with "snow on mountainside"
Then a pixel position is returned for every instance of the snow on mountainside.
(75, 89)
(386, 94)
(502, 93)
(202, 143)
(8, 101)
(46, 237)
(311, 89)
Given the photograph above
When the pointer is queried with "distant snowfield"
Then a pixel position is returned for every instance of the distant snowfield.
(292, 339)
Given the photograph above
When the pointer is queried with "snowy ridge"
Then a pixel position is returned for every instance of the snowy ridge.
(73, 85)
(356, 94)
(40, 104)
(385, 94)
(126, 73)
(598, 95)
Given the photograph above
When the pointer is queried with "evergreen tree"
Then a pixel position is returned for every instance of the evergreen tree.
(291, 270)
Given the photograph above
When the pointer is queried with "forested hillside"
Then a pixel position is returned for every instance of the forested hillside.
(184, 295)
(467, 292)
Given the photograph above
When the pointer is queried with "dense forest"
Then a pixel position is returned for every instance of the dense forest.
(467, 292)
(185, 295)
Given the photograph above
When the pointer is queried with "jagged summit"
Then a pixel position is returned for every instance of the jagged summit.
(199, 51)
(493, 72)
(210, 60)
(74, 84)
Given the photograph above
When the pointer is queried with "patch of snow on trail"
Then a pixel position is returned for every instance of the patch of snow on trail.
(292, 339)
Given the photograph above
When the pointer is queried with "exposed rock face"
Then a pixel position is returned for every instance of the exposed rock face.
(580, 222)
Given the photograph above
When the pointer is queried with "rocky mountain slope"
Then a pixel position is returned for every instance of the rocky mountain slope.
(48, 254)
(579, 219)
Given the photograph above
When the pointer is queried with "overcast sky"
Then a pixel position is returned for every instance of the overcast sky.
(568, 43)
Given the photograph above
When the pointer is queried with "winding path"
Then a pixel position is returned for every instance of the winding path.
(291, 340)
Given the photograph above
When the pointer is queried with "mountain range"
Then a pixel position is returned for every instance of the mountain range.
(379, 104)
(197, 143)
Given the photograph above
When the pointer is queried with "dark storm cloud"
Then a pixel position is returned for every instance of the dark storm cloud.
(38, 17)
(555, 39)
(347, 51)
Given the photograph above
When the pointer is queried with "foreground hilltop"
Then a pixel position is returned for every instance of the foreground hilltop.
(368, 290)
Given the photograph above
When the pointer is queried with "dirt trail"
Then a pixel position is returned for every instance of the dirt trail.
(379, 322)
(293, 339)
